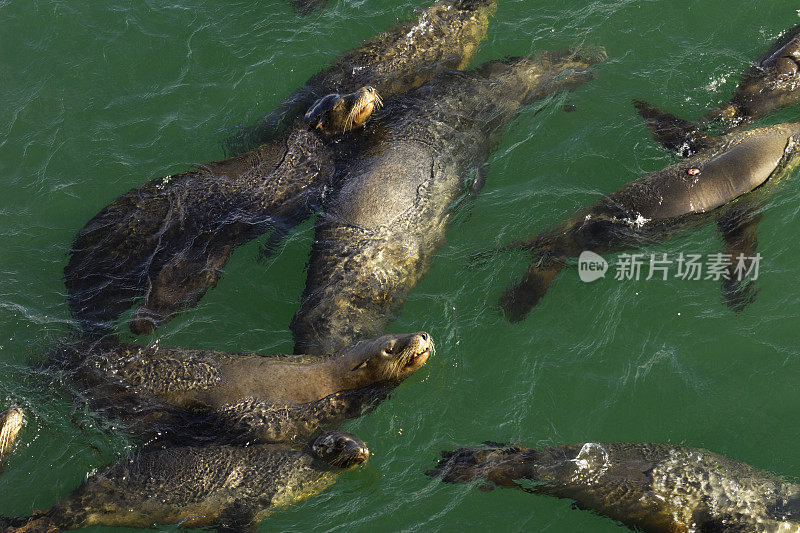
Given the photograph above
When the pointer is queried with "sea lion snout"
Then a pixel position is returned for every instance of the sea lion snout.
(420, 348)
(392, 357)
(412, 351)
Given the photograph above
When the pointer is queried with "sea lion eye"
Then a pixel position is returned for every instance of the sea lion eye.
(360, 366)
(388, 348)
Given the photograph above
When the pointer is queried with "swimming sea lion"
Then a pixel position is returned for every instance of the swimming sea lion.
(658, 205)
(229, 488)
(657, 488)
(771, 83)
(444, 36)
(195, 395)
(169, 240)
(377, 234)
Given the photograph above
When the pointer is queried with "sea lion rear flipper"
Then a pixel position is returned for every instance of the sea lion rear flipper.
(675, 134)
(518, 300)
(739, 228)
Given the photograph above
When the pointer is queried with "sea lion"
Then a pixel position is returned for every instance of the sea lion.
(228, 488)
(444, 36)
(169, 240)
(10, 423)
(657, 206)
(377, 234)
(657, 488)
(769, 84)
(183, 395)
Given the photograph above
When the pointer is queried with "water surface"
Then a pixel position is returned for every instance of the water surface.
(101, 97)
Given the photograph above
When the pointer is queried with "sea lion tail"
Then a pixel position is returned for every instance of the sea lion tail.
(522, 296)
(674, 133)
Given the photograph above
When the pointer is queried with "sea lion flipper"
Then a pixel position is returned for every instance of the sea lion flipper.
(674, 133)
(778, 45)
(739, 230)
(181, 283)
(518, 300)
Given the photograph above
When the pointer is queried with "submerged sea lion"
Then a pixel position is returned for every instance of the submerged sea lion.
(229, 488)
(10, 423)
(656, 206)
(304, 7)
(169, 239)
(771, 83)
(194, 395)
(657, 488)
(377, 234)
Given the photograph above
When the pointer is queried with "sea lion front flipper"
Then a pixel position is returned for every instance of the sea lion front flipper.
(181, 283)
(738, 227)
(522, 296)
(473, 184)
(675, 134)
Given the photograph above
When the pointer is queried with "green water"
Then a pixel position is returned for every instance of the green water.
(98, 97)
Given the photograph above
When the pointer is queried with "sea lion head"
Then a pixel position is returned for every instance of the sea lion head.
(340, 449)
(338, 113)
(387, 358)
(771, 83)
(10, 423)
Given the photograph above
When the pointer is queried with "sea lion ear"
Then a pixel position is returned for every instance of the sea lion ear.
(361, 365)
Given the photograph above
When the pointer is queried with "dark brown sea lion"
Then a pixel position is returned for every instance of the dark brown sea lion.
(224, 487)
(378, 233)
(188, 395)
(769, 84)
(657, 488)
(169, 240)
(657, 206)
